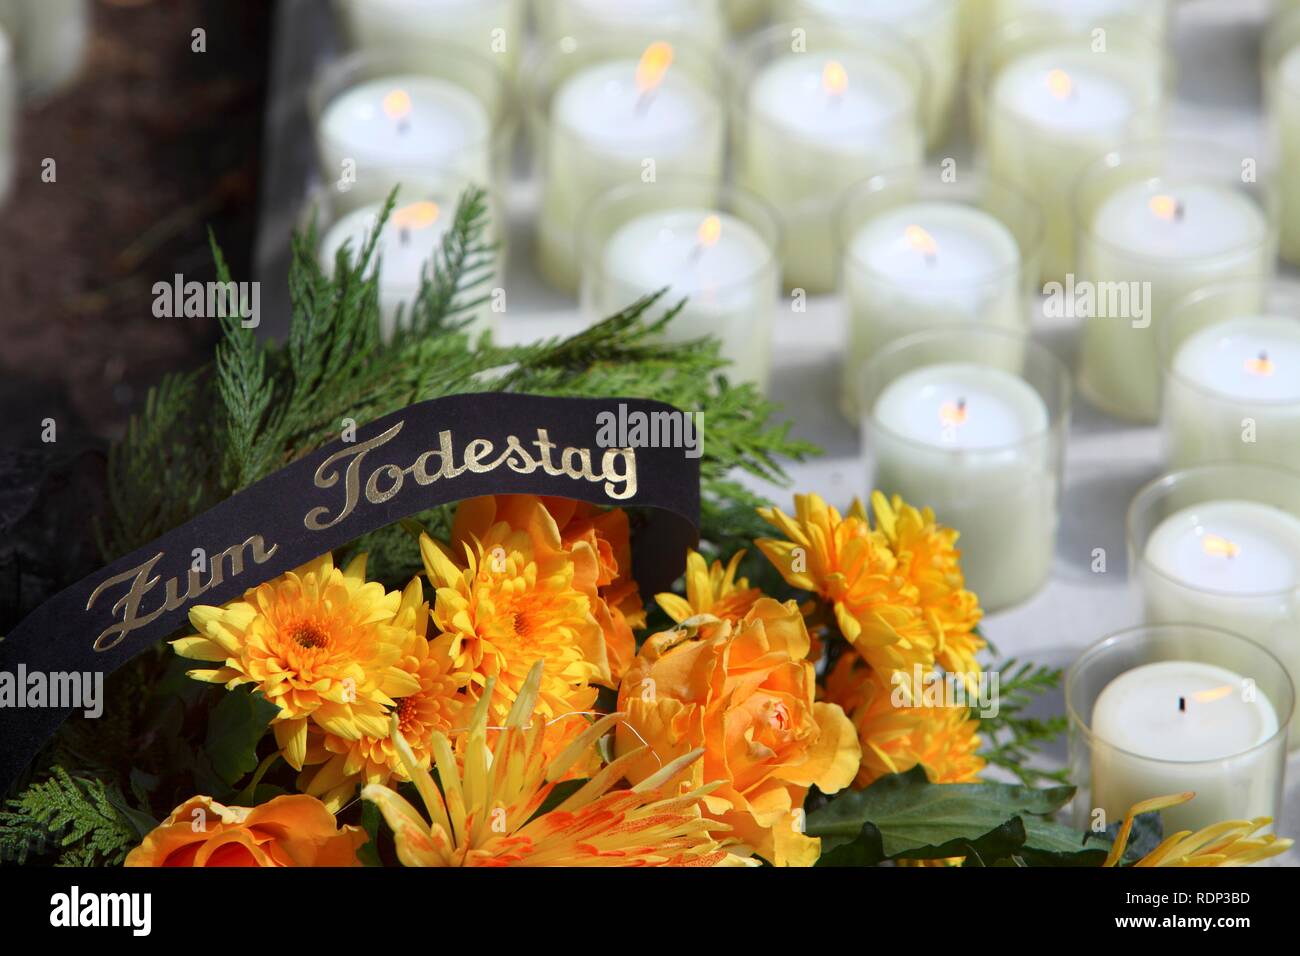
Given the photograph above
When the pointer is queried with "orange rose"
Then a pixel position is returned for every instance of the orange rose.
(744, 692)
(598, 542)
(294, 830)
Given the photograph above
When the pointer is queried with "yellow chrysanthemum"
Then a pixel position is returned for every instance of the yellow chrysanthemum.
(928, 557)
(1230, 843)
(485, 813)
(337, 765)
(711, 590)
(895, 739)
(319, 643)
(851, 566)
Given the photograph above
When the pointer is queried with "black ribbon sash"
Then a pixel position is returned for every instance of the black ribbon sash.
(432, 453)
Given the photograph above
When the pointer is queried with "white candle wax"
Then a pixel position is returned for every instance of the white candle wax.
(971, 442)
(703, 21)
(1049, 112)
(1286, 108)
(1231, 564)
(606, 120)
(1234, 394)
(488, 28)
(8, 111)
(407, 244)
(816, 124)
(717, 261)
(924, 264)
(1151, 14)
(402, 122)
(49, 41)
(1176, 726)
(1177, 237)
(933, 26)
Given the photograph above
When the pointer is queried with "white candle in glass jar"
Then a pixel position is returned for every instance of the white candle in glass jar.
(1176, 726)
(924, 264)
(817, 123)
(49, 40)
(1232, 564)
(1286, 108)
(718, 262)
(1052, 110)
(398, 122)
(1176, 237)
(404, 252)
(1233, 394)
(605, 121)
(489, 28)
(703, 21)
(971, 442)
(932, 26)
(1153, 15)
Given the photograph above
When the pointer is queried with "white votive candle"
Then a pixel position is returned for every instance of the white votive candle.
(605, 123)
(1151, 15)
(403, 254)
(1176, 236)
(1175, 726)
(1051, 110)
(924, 264)
(1286, 119)
(971, 442)
(1233, 393)
(701, 21)
(49, 40)
(492, 29)
(814, 124)
(1232, 564)
(405, 121)
(718, 262)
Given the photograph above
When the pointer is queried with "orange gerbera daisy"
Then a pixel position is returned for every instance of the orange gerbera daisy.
(896, 736)
(339, 763)
(319, 643)
(1230, 843)
(485, 811)
(711, 590)
(851, 566)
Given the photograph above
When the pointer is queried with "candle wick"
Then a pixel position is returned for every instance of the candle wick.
(1263, 356)
(1178, 210)
(961, 404)
(1182, 705)
(402, 126)
(404, 234)
(643, 102)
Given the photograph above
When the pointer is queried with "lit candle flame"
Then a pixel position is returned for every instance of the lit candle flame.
(1166, 207)
(709, 232)
(1059, 84)
(397, 105)
(953, 413)
(1220, 546)
(1260, 365)
(835, 79)
(418, 215)
(1213, 694)
(921, 241)
(653, 66)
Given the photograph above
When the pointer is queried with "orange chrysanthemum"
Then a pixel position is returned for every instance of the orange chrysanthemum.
(485, 810)
(896, 736)
(852, 567)
(319, 643)
(711, 590)
(1229, 843)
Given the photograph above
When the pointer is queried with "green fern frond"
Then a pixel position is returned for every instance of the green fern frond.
(71, 818)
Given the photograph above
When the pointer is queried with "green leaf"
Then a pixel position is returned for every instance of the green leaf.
(904, 815)
(370, 818)
(1048, 843)
(235, 728)
(561, 792)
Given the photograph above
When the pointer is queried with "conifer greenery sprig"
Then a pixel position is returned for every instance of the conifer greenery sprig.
(204, 435)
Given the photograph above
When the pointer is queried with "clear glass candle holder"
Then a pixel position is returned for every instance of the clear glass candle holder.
(710, 244)
(1156, 221)
(1231, 357)
(611, 110)
(1151, 16)
(813, 112)
(441, 107)
(425, 202)
(932, 26)
(917, 252)
(1172, 708)
(1044, 103)
(1281, 59)
(971, 421)
(1220, 545)
(701, 22)
(487, 28)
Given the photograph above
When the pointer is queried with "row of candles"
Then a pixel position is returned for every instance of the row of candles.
(961, 410)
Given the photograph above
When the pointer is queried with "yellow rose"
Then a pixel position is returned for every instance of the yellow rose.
(293, 830)
(744, 692)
